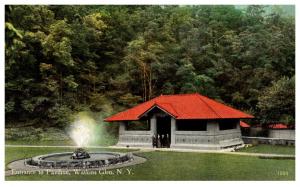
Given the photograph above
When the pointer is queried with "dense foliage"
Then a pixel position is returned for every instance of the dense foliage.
(65, 59)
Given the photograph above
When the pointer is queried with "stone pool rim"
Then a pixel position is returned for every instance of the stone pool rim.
(19, 165)
(44, 161)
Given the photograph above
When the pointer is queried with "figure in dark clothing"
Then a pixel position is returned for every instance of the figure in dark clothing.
(168, 140)
(158, 141)
(163, 141)
(154, 141)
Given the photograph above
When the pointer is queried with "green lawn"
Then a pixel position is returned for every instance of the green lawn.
(175, 166)
(60, 143)
(34, 142)
(276, 149)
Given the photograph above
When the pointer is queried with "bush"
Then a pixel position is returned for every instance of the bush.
(35, 134)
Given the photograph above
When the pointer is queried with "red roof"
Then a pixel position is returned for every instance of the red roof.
(182, 106)
(244, 125)
(278, 126)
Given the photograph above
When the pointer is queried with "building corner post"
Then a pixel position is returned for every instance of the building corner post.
(173, 130)
(153, 125)
(121, 128)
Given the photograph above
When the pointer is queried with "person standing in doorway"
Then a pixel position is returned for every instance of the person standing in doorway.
(158, 141)
(154, 141)
(168, 141)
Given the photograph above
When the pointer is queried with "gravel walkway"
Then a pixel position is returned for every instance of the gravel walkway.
(143, 149)
(271, 155)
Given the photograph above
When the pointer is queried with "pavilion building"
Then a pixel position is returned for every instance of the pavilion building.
(190, 121)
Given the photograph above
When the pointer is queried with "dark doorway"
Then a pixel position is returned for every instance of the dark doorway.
(164, 130)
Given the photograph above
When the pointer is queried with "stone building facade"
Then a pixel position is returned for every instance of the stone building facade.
(204, 127)
(213, 138)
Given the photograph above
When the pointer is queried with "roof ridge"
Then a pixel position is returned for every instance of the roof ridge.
(170, 95)
(145, 102)
(138, 105)
(224, 104)
(200, 97)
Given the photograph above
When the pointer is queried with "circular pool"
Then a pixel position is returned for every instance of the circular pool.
(65, 160)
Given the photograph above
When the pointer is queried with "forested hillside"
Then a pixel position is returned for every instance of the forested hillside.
(60, 60)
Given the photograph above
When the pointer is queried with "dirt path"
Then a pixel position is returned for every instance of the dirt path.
(142, 149)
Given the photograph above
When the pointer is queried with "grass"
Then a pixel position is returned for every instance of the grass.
(173, 166)
(30, 135)
(113, 141)
(34, 142)
(274, 149)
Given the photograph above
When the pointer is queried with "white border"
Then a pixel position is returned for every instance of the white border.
(138, 183)
(154, 2)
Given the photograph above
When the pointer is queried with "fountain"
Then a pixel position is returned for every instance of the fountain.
(80, 154)
(81, 133)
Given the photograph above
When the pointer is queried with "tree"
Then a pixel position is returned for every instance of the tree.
(277, 102)
(142, 56)
(63, 59)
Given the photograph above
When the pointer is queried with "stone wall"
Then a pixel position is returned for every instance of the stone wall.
(265, 140)
(213, 138)
(128, 138)
(282, 134)
(135, 140)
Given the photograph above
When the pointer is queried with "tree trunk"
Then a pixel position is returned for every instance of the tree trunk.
(145, 81)
(150, 82)
(61, 89)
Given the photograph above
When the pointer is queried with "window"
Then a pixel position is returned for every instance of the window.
(191, 125)
(137, 125)
(227, 124)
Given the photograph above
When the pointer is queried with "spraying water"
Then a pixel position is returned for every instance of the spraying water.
(82, 130)
(86, 131)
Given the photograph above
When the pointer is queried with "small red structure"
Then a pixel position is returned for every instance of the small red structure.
(283, 132)
(244, 125)
(278, 126)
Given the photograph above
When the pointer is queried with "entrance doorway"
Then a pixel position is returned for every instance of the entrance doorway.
(163, 125)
